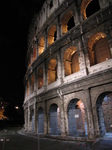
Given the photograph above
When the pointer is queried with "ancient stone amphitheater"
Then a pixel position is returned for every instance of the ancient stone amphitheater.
(68, 82)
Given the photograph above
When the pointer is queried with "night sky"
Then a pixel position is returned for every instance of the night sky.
(15, 19)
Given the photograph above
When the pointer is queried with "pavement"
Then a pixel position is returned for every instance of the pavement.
(104, 143)
(33, 141)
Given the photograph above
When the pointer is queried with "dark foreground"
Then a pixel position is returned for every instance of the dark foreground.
(11, 140)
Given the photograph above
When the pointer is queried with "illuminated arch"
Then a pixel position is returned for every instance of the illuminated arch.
(71, 61)
(98, 38)
(52, 35)
(54, 119)
(77, 125)
(41, 45)
(34, 53)
(29, 62)
(85, 4)
(27, 87)
(52, 70)
(40, 120)
(65, 22)
(32, 82)
(40, 77)
(103, 108)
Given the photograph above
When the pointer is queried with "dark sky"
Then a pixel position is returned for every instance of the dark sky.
(15, 18)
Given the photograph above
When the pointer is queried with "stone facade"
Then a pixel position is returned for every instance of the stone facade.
(68, 83)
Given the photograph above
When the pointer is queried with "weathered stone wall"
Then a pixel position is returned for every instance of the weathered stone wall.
(87, 84)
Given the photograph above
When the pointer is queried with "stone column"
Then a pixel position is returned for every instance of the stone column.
(62, 116)
(35, 116)
(28, 117)
(76, 15)
(59, 66)
(62, 65)
(46, 37)
(35, 82)
(45, 75)
(46, 118)
(103, 3)
(81, 57)
(89, 114)
(37, 48)
(58, 29)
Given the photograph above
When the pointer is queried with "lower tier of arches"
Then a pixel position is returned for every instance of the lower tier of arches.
(85, 113)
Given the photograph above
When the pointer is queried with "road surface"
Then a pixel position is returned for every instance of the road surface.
(11, 140)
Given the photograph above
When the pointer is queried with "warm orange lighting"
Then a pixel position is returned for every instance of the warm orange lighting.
(41, 45)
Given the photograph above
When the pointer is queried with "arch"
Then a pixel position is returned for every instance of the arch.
(77, 125)
(67, 22)
(29, 62)
(87, 6)
(32, 117)
(32, 82)
(27, 87)
(40, 77)
(41, 45)
(98, 48)
(71, 61)
(34, 53)
(52, 70)
(40, 120)
(52, 35)
(104, 112)
(54, 119)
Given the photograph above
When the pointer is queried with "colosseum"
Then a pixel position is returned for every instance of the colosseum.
(68, 82)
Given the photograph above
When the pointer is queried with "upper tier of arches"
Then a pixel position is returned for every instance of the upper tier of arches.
(65, 21)
(74, 13)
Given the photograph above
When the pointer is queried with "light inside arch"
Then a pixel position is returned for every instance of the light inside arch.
(71, 61)
(65, 20)
(52, 70)
(41, 45)
(94, 39)
(40, 78)
(51, 35)
(34, 53)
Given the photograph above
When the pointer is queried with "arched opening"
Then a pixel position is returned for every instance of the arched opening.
(70, 23)
(41, 45)
(55, 35)
(32, 82)
(34, 53)
(104, 112)
(40, 120)
(29, 62)
(32, 117)
(77, 125)
(71, 61)
(40, 78)
(98, 47)
(52, 70)
(27, 88)
(54, 119)
(89, 7)
(67, 22)
(52, 35)
(92, 8)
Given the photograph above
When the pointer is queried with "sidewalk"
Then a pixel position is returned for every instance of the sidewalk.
(98, 144)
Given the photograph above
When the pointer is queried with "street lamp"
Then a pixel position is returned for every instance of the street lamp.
(16, 107)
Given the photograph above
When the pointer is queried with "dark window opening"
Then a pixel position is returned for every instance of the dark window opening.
(55, 35)
(92, 8)
(70, 23)
(51, 4)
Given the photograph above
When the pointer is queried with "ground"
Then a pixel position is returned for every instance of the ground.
(15, 139)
